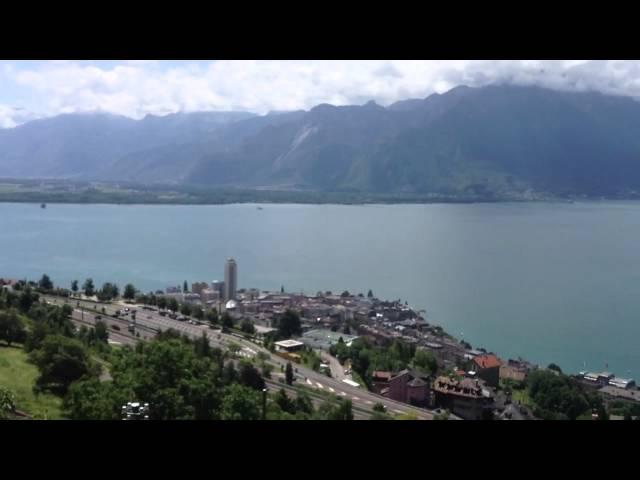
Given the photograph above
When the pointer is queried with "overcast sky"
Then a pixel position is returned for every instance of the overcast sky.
(35, 89)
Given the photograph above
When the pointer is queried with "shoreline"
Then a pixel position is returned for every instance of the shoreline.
(312, 203)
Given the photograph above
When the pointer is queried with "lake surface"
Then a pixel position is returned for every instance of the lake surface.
(550, 282)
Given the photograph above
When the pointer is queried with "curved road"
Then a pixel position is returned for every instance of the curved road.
(152, 322)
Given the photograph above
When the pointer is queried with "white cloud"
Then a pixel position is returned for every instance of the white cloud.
(6, 116)
(136, 88)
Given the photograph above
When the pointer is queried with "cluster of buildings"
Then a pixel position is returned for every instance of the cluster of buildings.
(407, 386)
(216, 294)
(326, 318)
(611, 388)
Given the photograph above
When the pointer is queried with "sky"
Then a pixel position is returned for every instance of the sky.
(135, 88)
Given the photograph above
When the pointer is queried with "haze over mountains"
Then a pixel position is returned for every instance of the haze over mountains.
(496, 140)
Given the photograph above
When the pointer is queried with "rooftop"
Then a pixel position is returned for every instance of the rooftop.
(487, 361)
(466, 388)
(289, 343)
(380, 375)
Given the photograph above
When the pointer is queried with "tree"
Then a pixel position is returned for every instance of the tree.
(554, 367)
(172, 304)
(109, 291)
(45, 283)
(266, 370)
(7, 403)
(288, 373)
(167, 373)
(227, 321)
(74, 286)
(247, 327)
(88, 287)
(185, 287)
(212, 316)
(101, 332)
(162, 303)
(284, 402)
(378, 407)
(27, 298)
(347, 329)
(185, 309)
(201, 346)
(198, 313)
(425, 361)
(61, 361)
(345, 294)
(229, 374)
(556, 394)
(241, 403)
(129, 292)
(303, 403)
(282, 289)
(91, 399)
(11, 328)
(369, 294)
(250, 376)
(289, 325)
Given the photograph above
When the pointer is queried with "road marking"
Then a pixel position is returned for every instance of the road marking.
(319, 385)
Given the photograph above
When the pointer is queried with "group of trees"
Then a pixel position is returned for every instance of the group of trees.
(558, 396)
(12, 328)
(288, 325)
(61, 361)
(366, 357)
(180, 378)
(108, 292)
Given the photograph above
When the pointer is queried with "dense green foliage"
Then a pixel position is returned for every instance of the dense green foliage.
(129, 292)
(557, 396)
(88, 287)
(7, 403)
(108, 292)
(366, 358)
(180, 378)
(289, 325)
(11, 327)
(61, 361)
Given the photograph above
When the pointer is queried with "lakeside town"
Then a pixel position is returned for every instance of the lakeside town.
(440, 373)
(470, 389)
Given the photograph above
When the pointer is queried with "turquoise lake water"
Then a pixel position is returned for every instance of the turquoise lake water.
(551, 282)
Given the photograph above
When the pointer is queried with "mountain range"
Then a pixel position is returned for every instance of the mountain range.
(495, 140)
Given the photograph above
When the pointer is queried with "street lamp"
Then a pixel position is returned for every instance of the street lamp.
(264, 404)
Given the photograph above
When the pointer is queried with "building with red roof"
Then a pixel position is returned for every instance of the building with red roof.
(487, 367)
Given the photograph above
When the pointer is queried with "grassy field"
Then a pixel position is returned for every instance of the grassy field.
(521, 396)
(19, 376)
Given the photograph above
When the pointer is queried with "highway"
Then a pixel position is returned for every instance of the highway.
(149, 322)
